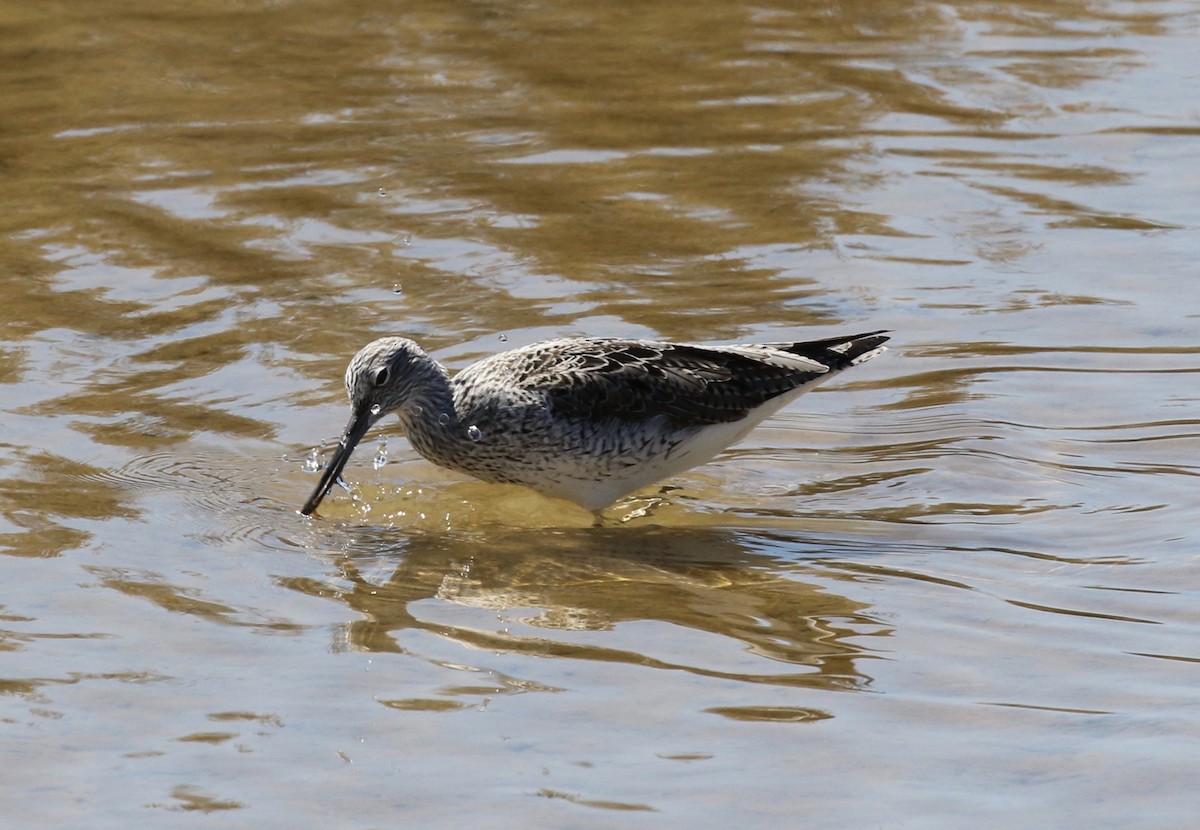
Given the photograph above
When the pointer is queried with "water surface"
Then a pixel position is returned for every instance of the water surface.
(956, 587)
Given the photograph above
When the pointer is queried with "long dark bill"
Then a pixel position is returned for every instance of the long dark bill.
(355, 430)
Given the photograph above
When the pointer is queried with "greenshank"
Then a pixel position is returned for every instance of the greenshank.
(586, 419)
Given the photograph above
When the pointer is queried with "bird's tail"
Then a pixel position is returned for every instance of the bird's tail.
(840, 352)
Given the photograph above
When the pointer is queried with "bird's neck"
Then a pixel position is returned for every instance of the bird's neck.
(431, 398)
(431, 419)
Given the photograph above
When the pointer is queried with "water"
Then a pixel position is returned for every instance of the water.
(955, 587)
(312, 462)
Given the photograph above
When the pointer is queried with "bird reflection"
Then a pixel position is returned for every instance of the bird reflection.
(544, 587)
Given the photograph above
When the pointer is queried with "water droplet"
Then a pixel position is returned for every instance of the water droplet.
(417, 409)
(397, 288)
(382, 192)
(474, 432)
(504, 338)
(376, 409)
(381, 457)
(312, 463)
(406, 240)
(443, 418)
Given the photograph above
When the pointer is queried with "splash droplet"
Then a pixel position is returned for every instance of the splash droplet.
(504, 338)
(312, 463)
(443, 418)
(397, 288)
(381, 457)
(376, 409)
(382, 192)
(417, 409)
(474, 432)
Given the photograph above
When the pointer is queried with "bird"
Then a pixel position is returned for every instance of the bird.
(586, 419)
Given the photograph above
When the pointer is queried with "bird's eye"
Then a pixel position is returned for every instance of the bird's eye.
(381, 376)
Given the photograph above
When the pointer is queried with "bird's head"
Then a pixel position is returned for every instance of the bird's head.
(383, 377)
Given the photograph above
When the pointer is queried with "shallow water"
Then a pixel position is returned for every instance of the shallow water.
(957, 586)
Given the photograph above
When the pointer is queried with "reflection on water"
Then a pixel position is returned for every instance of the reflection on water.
(595, 580)
(962, 578)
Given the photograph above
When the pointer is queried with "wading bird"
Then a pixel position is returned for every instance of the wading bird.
(586, 419)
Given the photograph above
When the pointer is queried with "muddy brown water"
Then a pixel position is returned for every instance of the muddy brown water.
(957, 587)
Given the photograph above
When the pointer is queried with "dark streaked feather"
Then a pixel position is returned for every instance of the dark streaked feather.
(634, 380)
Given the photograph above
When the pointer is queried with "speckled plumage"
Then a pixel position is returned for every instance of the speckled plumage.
(585, 419)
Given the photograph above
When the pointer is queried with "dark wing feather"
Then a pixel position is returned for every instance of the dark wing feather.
(636, 380)
(836, 352)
